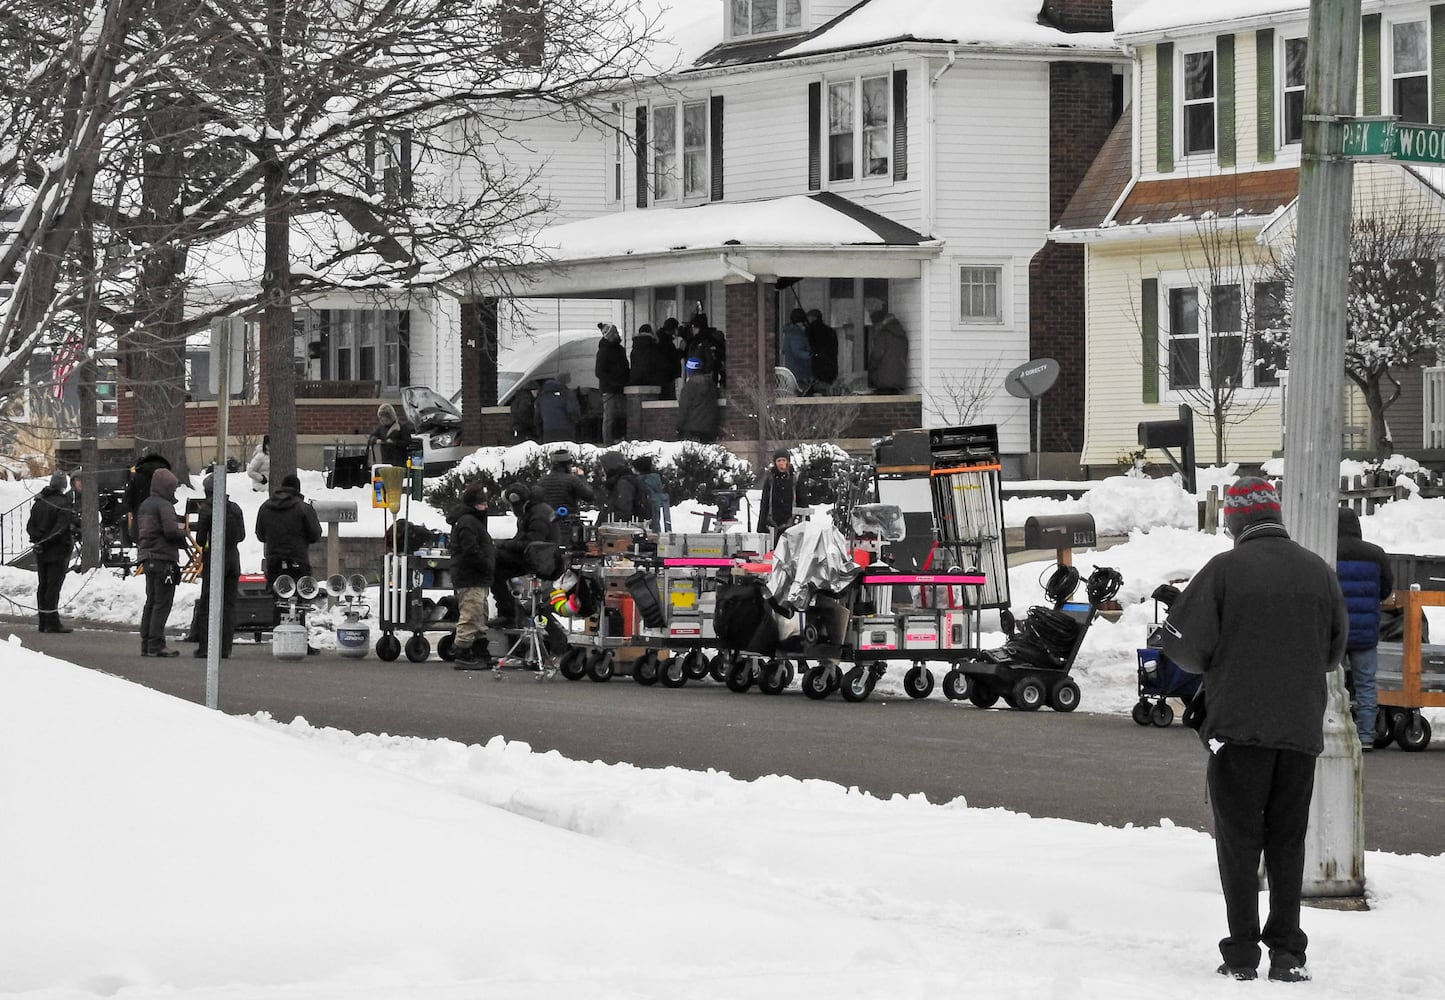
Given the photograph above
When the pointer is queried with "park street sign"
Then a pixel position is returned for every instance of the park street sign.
(1385, 138)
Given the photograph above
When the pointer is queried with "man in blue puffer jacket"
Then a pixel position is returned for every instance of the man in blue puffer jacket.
(1365, 580)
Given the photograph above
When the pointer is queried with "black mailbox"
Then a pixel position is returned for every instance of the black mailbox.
(1165, 433)
(1060, 531)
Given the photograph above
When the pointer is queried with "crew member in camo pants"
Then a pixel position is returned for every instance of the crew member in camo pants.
(473, 561)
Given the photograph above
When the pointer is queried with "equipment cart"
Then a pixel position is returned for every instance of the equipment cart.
(409, 576)
(1411, 676)
(1159, 677)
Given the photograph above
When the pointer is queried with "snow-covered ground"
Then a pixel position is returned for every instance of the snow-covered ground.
(150, 848)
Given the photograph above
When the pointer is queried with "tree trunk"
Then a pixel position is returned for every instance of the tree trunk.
(278, 351)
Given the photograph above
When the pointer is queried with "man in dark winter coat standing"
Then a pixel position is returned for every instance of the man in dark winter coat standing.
(160, 533)
(138, 487)
(625, 500)
(1365, 580)
(651, 363)
(473, 563)
(51, 527)
(824, 341)
(612, 372)
(288, 526)
(1264, 623)
(565, 491)
(887, 354)
(780, 495)
(558, 411)
(699, 417)
(227, 564)
(536, 522)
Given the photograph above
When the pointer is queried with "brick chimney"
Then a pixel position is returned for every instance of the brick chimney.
(1078, 15)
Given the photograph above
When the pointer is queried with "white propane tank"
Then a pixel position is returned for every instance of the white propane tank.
(288, 641)
(353, 638)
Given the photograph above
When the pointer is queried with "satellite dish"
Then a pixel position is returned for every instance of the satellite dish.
(1032, 379)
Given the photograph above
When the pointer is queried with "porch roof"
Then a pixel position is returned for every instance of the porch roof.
(819, 235)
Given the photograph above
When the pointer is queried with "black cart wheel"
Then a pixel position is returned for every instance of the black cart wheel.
(600, 665)
(774, 677)
(1161, 714)
(388, 647)
(1385, 727)
(694, 665)
(857, 683)
(1414, 733)
(446, 646)
(811, 635)
(740, 674)
(720, 665)
(957, 685)
(417, 648)
(817, 682)
(670, 672)
(1141, 712)
(573, 664)
(645, 670)
(1064, 696)
(1029, 694)
(983, 695)
(918, 681)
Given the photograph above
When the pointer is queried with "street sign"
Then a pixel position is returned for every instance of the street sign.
(1369, 137)
(1419, 143)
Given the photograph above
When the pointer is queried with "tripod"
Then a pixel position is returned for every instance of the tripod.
(529, 650)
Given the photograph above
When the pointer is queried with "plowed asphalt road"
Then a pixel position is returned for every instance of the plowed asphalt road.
(1081, 766)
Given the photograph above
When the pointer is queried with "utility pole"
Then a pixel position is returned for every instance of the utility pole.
(1334, 858)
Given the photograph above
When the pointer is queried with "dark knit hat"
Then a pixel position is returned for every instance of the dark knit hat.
(474, 494)
(782, 453)
(58, 481)
(291, 481)
(1248, 503)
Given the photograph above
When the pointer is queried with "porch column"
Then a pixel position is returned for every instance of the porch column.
(479, 365)
(751, 347)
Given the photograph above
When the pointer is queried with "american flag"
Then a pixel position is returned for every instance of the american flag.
(64, 357)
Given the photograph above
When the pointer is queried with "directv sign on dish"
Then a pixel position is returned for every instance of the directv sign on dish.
(1032, 379)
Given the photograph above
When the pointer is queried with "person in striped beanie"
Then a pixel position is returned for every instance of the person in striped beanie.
(1264, 622)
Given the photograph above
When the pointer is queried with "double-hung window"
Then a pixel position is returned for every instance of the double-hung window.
(1198, 92)
(1292, 119)
(1225, 335)
(860, 128)
(763, 17)
(980, 297)
(1270, 335)
(679, 138)
(1410, 71)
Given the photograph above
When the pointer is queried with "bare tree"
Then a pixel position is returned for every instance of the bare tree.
(963, 393)
(1393, 312)
(789, 419)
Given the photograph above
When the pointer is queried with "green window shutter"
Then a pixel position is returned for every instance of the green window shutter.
(815, 148)
(715, 113)
(1370, 64)
(900, 124)
(1264, 94)
(1224, 94)
(641, 156)
(1437, 62)
(1149, 338)
(1164, 106)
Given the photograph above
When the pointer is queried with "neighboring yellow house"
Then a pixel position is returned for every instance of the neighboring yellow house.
(1181, 215)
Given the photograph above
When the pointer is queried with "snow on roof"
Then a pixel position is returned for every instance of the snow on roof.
(1001, 23)
(794, 221)
(1158, 15)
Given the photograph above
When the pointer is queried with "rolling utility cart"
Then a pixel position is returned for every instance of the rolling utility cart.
(1159, 677)
(410, 578)
(601, 639)
(1411, 676)
(1032, 668)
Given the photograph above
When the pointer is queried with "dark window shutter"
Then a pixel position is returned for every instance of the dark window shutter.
(1264, 94)
(404, 156)
(715, 128)
(1437, 61)
(642, 156)
(1164, 107)
(1149, 338)
(900, 125)
(369, 182)
(1370, 64)
(403, 336)
(815, 122)
(1224, 95)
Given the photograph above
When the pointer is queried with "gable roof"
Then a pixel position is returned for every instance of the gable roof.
(1105, 181)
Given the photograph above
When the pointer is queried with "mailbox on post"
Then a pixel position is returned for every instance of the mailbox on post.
(1166, 434)
(1060, 532)
(331, 513)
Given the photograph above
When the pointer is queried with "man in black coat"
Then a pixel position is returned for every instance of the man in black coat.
(51, 527)
(1264, 623)
(613, 372)
(536, 522)
(652, 363)
(699, 413)
(473, 565)
(228, 564)
(138, 487)
(779, 495)
(288, 526)
(565, 491)
(1365, 579)
(824, 341)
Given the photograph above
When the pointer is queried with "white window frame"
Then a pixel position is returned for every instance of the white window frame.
(672, 164)
(1286, 89)
(788, 16)
(1248, 283)
(1003, 268)
(375, 330)
(1393, 76)
(858, 130)
(615, 175)
(1183, 102)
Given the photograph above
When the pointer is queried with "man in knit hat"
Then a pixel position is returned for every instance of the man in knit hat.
(52, 527)
(1264, 623)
